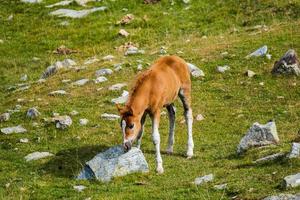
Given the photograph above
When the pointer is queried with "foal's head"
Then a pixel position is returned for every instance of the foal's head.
(130, 125)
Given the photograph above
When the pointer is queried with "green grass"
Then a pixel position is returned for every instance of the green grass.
(230, 102)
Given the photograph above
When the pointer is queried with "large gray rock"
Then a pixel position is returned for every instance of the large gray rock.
(114, 162)
(284, 197)
(291, 181)
(76, 13)
(288, 64)
(295, 151)
(32, 113)
(258, 135)
(14, 129)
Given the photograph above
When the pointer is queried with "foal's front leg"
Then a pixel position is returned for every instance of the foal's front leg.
(156, 141)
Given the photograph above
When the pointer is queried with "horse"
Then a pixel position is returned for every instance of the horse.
(153, 89)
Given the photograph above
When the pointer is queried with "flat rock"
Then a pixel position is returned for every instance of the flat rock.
(295, 151)
(32, 113)
(117, 86)
(221, 186)
(123, 32)
(133, 50)
(61, 3)
(288, 64)
(259, 135)
(122, 99)
(81, 82)
(259, 52)
(204, 179)
(114, 162)
(57, 92)
(52, 69)
(62, 122)
(14, 129)
(83, 122)
(37, 155)
(83, 2)
(76, 13)
(90, 61)
(32, 1)
(100, 79)
(108, 58)
(269, 158)
(284, 197)
(195, 71)
(103, 72)
(4, 117)
(110, 116)
(222, 69)
(291, 181)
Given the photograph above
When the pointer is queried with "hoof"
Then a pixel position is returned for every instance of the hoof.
(169, 150)
(189, 154)
(160, 170)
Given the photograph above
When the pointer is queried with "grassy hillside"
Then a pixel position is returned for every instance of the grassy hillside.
(199, 32)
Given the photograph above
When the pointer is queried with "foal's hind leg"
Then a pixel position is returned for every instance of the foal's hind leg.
(171, 112)
(140, 135)
(185, 96)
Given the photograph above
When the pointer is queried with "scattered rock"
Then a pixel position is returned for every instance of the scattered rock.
(126, 19)
(62, 122)
(258, 135)
(52, 69)
(110, 116)
(32, 1)
(14, 129)
(63, 50)
(133, 51)
(57, 92)
(61, 3)
(295, 151)
(124, 33)
(64, 23)
(204, 179)
(10, 17)
(24, 77)
(269, 158)
(199, 117)
(269, 56)
(221, 186)
(223, 69)
(83, 2)
(4, 117)
(103, 72)
(122, 99)
(283, 197)
(114, 162)
(90, 61)
(140, 67)
(291, 181)
(74, 112)
(117, 86)
(76, 13)
(32, 113)
(66, 81)
(24, 140)
(83, 122)
(163, 50)
(259, 52)
(37, 155)
(81, 82)
(79, 188)
(108, 58)
(288, 64)
(195, 71)
(250, 73)
(118, 67)
(151, 1)
(126, 46)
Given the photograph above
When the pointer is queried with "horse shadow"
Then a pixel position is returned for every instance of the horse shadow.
(69, 162)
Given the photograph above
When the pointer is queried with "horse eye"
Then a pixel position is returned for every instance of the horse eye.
(131, 126)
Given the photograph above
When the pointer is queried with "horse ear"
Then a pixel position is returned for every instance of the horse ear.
(119, 108)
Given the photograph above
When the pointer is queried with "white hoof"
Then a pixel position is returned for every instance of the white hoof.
(160, 170)
(189, 154)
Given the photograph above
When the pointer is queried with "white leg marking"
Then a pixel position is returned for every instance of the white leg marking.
(156, 142)
(189, 122)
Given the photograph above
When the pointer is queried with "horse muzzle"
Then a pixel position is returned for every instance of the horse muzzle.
(127, 145)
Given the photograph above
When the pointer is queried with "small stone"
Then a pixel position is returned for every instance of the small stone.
(133, 50)
(269, 56)
(35, 124)
(100, 79)
(10, 17)
(291, 181)
(81, 82)
(117, 86)
(288, 64)
(61, 3)
(204, 179)
(31, 1)
(58, 92)
(24, 77)
(37, 155)
(108, 58)
(126, 19)
(103, 72)
(269, 158)
(295, 151)
(204, 37)
(55, 114)
(36, 59)
(14, 129)
(79, 188)
(66, 81)
(74, 112)
(32, 113)
(76, 13)
(90, 61)
(83, 122)
(163, 51)
(24, 140)
(222, 69)
(140, 67)
(261, 83)
(250, 73)
(199, 117)
(284, 197)
(122, 99)
(259, 52)
(224, 54)
(221, 186)
(110, 116)
(195, 71)
(259, 135)
(124, 33)
(64, 23)
(4, 117)
(63, 122)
